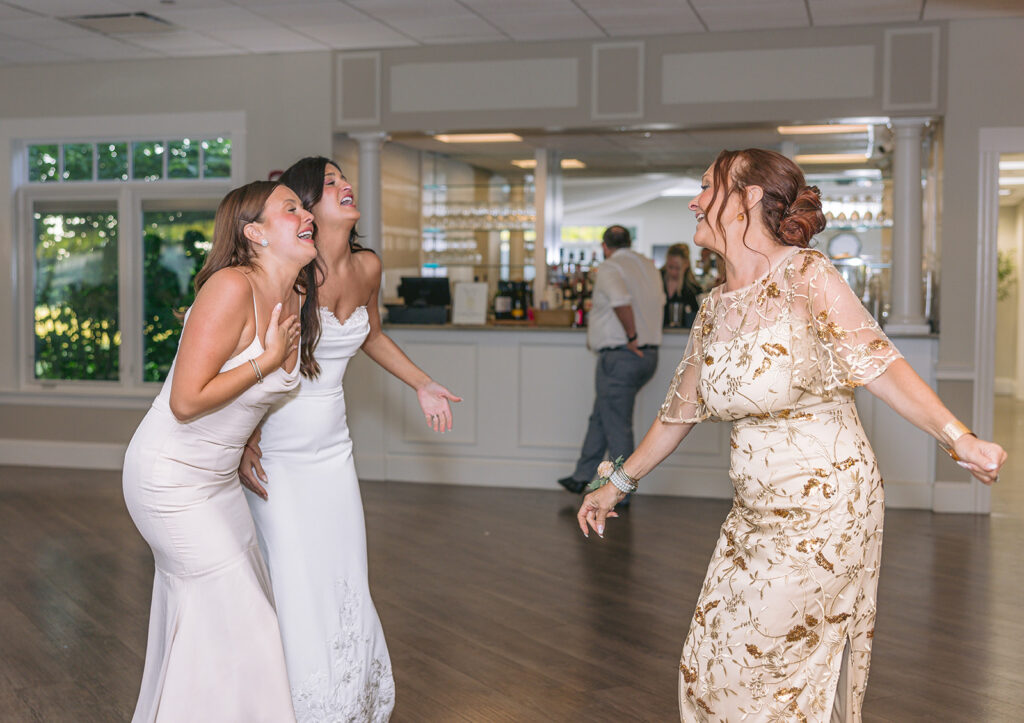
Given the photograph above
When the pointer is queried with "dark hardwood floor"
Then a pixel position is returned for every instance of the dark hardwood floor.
(497, 609)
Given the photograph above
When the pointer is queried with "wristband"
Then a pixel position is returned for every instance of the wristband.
(953, 431)
(630, 339)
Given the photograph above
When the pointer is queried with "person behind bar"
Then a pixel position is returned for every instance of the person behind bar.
(681, 287)
(624, 329)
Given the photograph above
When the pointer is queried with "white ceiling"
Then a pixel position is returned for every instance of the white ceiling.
(34, 31)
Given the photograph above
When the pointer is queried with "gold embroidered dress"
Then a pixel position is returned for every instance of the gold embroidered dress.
(789, 595)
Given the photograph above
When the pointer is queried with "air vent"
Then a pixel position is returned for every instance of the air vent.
(122, 23)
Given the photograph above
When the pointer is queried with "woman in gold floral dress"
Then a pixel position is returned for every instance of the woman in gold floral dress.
(785, 617)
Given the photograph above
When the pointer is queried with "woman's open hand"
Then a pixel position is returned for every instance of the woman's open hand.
(281, 340)
(434, 401)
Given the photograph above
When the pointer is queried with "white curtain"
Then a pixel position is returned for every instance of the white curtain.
(585, 198)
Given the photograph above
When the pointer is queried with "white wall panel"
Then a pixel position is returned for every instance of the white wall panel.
(490, 85)
(745, 76)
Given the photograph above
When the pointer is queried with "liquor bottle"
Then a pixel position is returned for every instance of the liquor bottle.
(503, 301)
(518, 312)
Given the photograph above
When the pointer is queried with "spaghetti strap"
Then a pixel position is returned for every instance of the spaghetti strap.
(255, 311)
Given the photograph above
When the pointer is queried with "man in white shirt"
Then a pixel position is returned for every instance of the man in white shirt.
(624, 330)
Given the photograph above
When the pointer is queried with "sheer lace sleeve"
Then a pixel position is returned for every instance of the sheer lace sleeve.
(847, 347)
(683, 403)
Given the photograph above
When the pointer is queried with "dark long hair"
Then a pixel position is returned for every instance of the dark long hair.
(242, 206)
(306, 178)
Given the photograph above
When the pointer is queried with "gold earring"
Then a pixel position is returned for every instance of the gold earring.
(740, 217)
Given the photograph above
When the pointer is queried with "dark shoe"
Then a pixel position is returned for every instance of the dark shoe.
(624, 504)
(572, 484)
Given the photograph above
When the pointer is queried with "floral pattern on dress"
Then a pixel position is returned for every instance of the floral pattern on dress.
(789, 594)
(357, 688)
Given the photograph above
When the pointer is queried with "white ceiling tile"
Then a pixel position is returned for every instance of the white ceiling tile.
(63, 8)
(530, 20)
(20, 51)
(353, 36)
(99, 47)
(222, 18)
(728, 15)
(275, 40)
(956, 9)
(9, 12)
(850, 12)
(454, 28)
(181, 42)
(155, 7)
(38, 28)
(643, 17)
(311, 13)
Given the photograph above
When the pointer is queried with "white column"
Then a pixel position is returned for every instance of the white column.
(547, 203)
(906, 314)
(369, 190)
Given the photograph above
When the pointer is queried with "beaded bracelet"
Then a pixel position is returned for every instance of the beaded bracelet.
(616, 475)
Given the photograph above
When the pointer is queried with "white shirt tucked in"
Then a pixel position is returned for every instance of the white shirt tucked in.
(626, 278)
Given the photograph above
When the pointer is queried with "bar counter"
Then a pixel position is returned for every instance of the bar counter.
(528, 391)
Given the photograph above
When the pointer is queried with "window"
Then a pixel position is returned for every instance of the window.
(120, 160)
(112, 233)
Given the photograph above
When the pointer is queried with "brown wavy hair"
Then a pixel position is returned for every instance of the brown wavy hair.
(790, 209)
(242, 206)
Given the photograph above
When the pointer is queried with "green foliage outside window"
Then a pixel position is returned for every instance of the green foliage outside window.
(217, 158)
(148, 160)
(77, 161)
(175, 247)
(42, 163)
(112, 161)
(76, 302)
(183, 159)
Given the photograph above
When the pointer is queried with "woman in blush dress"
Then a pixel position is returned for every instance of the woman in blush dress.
(214, 650)
(311, 527)
(785, 618)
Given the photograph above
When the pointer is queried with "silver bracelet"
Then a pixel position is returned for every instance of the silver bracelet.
(256, 369)
(622, 481)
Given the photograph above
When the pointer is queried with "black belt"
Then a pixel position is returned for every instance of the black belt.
(626, 346)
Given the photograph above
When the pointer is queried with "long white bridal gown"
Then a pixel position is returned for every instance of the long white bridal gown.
(313, 537)
(214, 650)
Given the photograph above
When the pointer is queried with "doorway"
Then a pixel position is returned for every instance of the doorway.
(1008, 381)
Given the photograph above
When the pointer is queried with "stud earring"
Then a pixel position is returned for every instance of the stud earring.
(740, 217)
(264, 243)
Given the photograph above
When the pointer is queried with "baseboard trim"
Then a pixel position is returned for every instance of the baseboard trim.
(65, 455)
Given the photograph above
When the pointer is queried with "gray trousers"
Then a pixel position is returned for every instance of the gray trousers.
(620, 374)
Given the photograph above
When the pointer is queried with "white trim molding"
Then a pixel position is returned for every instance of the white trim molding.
(991, 143)
(595, 51)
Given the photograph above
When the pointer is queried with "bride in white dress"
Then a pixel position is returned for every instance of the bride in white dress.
(310, 526)
(214, 650)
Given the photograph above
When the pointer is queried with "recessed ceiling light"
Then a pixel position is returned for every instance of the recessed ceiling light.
(812, 158)
(821, 130)
(478, 138)
(528, 163)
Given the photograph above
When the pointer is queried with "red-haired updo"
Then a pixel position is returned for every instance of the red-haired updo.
(790, 209)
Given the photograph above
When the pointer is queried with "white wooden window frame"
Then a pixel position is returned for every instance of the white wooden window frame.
(129, 198)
